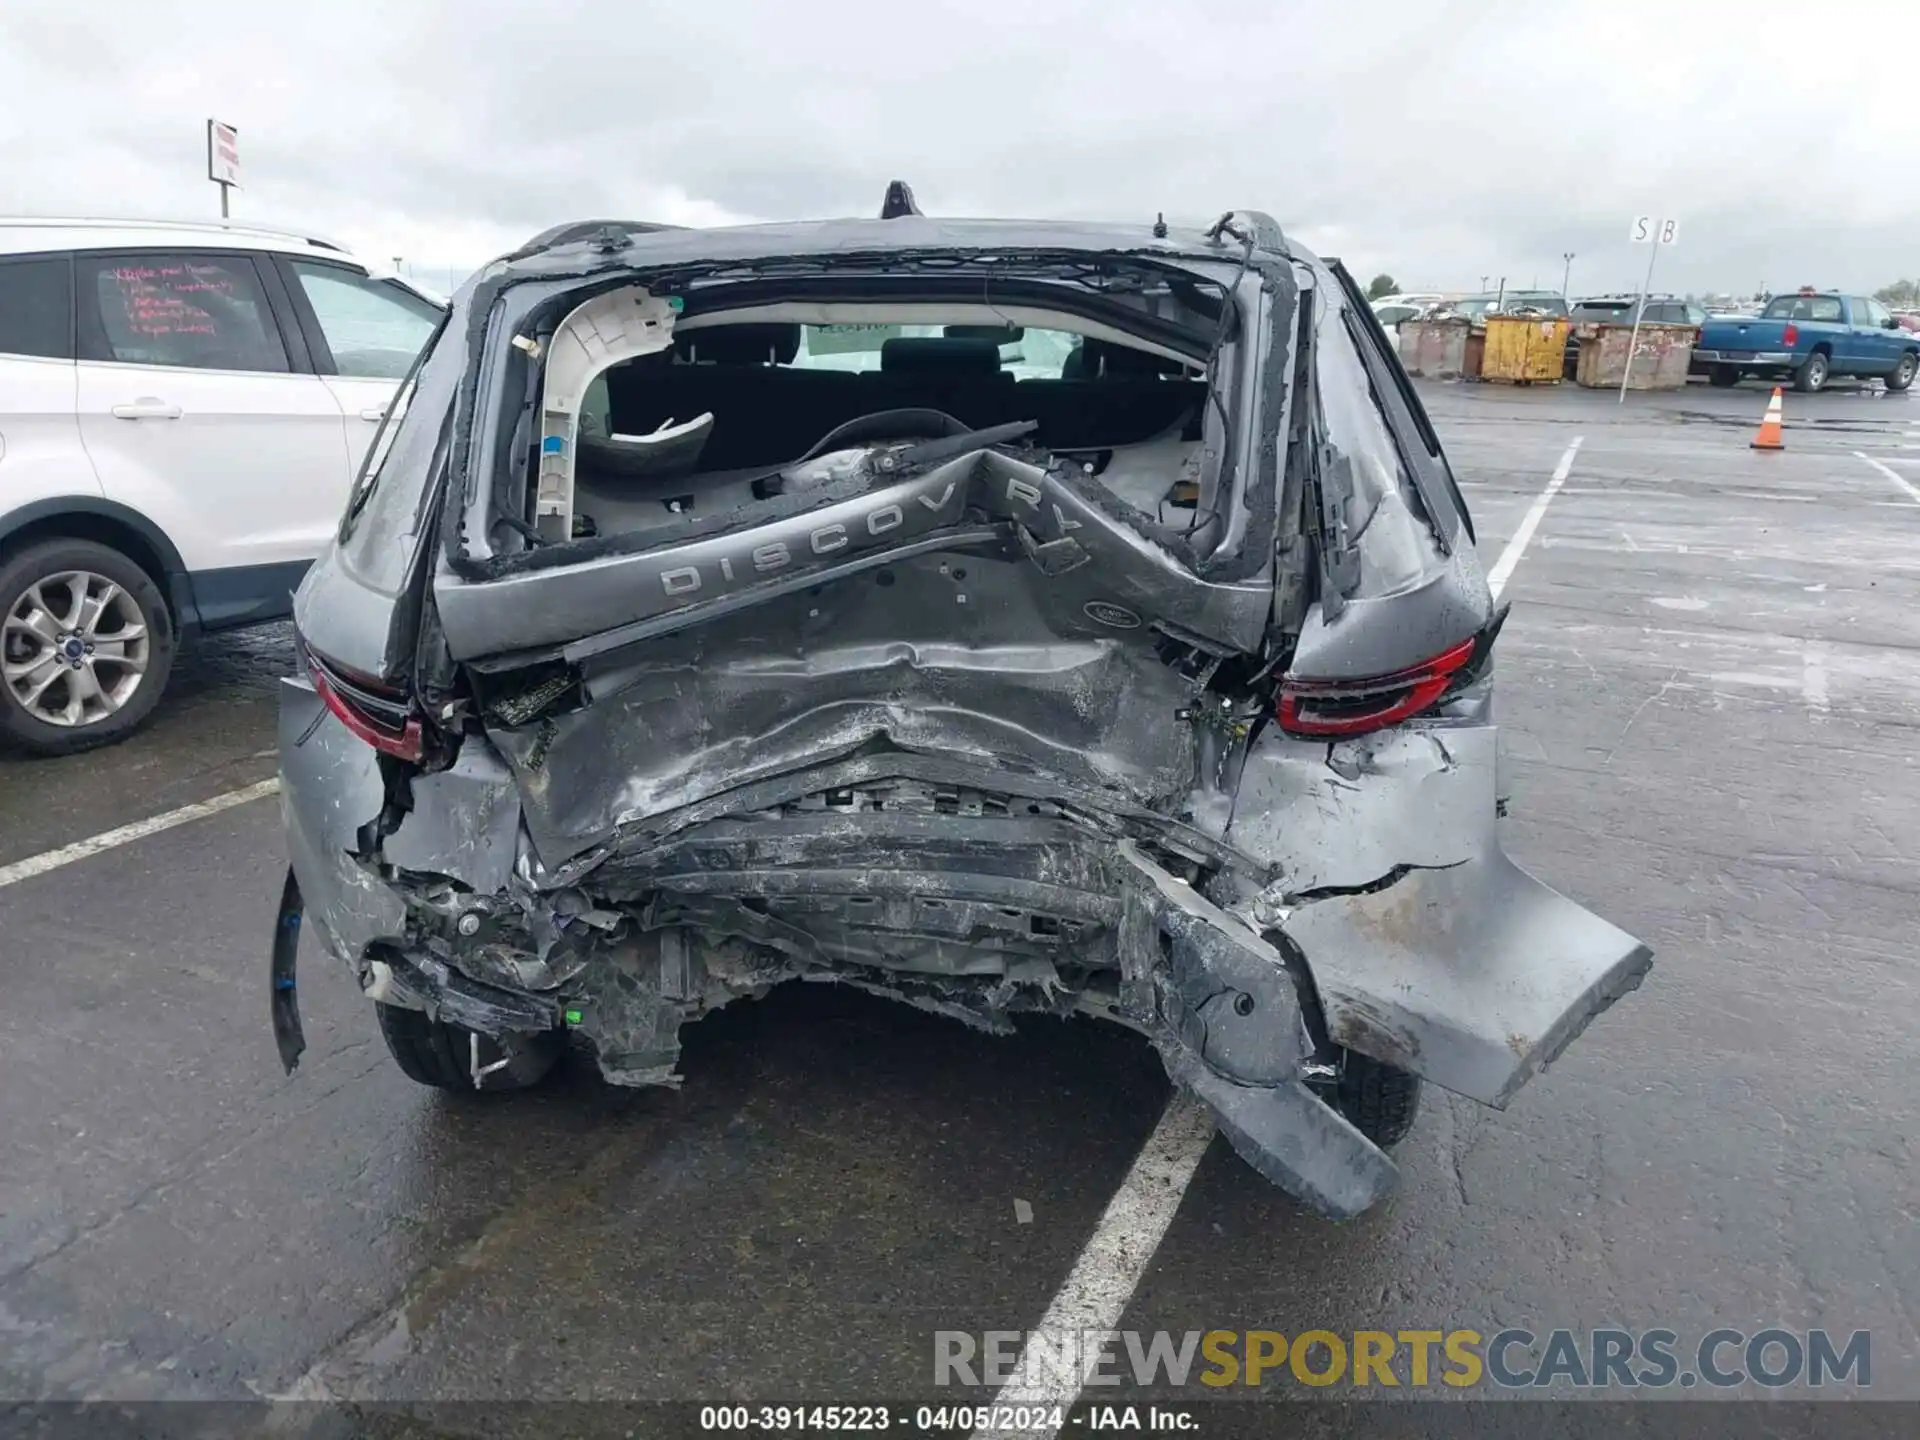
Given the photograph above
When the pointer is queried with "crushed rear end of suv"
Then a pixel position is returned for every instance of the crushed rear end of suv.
(1005, 618)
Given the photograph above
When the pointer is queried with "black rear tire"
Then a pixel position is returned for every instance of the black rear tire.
(1380, 1101)
(1723, 377)
(430, 1052)
(1903, 372)
(43, 561)
(1812, 374)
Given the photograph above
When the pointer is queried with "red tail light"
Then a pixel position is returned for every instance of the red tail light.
(1354, 707)
(1790, 335)
(372, 712)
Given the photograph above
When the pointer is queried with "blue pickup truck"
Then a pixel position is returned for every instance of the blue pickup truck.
(1809, 338)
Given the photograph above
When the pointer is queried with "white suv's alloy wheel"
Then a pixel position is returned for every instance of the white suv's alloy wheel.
(73, 648)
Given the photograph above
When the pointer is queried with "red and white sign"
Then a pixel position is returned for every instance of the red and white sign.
(223, 153)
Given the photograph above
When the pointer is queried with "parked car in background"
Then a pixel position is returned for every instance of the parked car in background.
(1599, 310)
(1390, 310)
(1807, 338)
(992, 691)
(1407, 305)
(1619, 310)
(1510, 302)
(182, 410)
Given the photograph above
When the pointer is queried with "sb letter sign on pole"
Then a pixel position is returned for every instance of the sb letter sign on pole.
(1648, 229)
(1653, 232)
(223, 159)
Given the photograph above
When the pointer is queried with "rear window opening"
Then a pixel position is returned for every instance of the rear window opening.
(1804, 307)
(644, 421)
(692, 431)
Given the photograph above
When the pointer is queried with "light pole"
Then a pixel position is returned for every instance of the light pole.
(1483, 284)
(1566, 274)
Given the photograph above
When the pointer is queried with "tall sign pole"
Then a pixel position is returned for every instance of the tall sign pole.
(1653, 233)
(223, 160)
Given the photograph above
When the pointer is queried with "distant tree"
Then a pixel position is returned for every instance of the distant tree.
(1901, 295)
(1382, 285)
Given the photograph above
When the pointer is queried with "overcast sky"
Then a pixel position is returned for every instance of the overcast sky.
(1438, 140)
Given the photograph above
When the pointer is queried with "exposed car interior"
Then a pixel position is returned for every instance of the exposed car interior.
(695, 429)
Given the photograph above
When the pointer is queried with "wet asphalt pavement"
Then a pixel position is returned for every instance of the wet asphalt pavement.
(1710, 688)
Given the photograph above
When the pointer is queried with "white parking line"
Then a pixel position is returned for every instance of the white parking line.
(1103, 1279)
(1516, 547)
(1889, 472)
(126, 834)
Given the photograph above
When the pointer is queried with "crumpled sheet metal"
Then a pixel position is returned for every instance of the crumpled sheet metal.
(464, 822)
(1349, 813)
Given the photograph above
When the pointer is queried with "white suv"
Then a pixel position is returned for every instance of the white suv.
(182, 410)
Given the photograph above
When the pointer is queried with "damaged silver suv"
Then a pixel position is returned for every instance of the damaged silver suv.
(1003, 617)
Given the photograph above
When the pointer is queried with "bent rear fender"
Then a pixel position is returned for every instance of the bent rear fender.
(1429, 948)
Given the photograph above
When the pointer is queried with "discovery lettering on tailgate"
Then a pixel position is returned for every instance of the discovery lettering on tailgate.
(772, 556)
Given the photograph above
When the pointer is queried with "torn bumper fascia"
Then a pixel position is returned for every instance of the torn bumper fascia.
(1426, 946)
(1474, 977)
(1222, 1009)
(1216, 999)
(1429, 948)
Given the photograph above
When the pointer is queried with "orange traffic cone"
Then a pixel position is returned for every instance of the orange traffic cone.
(1769, 436)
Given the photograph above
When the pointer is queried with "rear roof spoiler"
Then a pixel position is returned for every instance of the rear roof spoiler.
(899, 201)
(1254, 227)
(582, 229)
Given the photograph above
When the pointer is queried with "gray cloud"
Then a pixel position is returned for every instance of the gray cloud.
(1440, 142)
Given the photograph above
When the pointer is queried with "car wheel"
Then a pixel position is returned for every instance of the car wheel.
(1379, 1100)
(86, 644)
(1723, 377)
(1903, 373)
(1812, 375)
(431, 1052)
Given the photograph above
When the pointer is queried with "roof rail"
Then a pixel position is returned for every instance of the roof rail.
(133, 222)
(899, 201)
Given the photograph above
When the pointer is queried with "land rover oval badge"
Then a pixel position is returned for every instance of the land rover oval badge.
(1105, 612)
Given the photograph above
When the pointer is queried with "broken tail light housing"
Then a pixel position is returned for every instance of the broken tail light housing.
(373, 713)
(1338, 708)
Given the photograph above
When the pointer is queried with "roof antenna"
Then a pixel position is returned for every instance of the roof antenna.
(899, 201)
(1160, 225)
